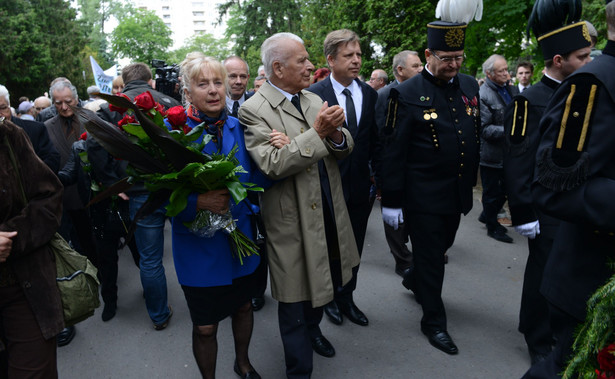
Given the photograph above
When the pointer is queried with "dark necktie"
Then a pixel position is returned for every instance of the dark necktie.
(297, 103)
(351, 115)
(235, 109)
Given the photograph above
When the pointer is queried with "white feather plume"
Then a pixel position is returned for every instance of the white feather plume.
(459, 11)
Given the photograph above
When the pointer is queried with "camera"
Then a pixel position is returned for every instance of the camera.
(167, 79)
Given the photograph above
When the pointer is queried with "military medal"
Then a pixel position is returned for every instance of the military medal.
(427, 116)
(434, 115)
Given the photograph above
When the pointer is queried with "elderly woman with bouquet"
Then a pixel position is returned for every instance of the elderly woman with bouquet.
(216, 283)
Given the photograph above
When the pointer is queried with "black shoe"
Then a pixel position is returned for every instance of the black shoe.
(538, 357)
(66, 335)
(354, 314)
(333, 313)
(482, 218)
(402, 272)
(499, 236)
(323, 347)
(258, 303)
(501, 228)
(109, 311)
(442, 341)
(408, 280)
(252, 374)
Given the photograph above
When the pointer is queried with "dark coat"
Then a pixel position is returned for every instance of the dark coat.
(524, 113)
(41, 143)
(355, 168)
(30, 260)
(575, 182)
(431, 142)
(381, 103)
(492, 107)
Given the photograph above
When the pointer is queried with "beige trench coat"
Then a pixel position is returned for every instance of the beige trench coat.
(292, 207)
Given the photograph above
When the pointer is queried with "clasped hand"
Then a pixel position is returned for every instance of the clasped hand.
(216, 201)
(529, 230)
(328, 120)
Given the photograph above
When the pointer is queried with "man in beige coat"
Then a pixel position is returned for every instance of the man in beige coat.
(296, 140)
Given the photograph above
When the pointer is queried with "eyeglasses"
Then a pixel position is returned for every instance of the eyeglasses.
(449, 60)
(374, 79)
(417, 65)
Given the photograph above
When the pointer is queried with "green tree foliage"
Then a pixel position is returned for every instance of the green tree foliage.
(41, 40)
(141, 36)
(250, 22)
(205, 43)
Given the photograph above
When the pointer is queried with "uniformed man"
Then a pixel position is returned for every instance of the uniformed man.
(575, 183)
(430, 165)
(564, 50)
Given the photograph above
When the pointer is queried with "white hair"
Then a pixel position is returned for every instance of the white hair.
(490, 62)
(61, 85)
(271, 50)
(5, 93)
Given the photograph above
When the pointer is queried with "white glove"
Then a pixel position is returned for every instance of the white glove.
(529, 230)
(393, 216)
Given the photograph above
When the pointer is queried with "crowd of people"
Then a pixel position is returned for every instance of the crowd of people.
(324, 145)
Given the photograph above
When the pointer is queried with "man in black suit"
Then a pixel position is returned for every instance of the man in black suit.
(36, 131)
(238, 74)
(406, 64)
(358, 99)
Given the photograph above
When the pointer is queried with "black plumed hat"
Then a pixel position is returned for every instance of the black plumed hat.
(556, 27)
(449, 33)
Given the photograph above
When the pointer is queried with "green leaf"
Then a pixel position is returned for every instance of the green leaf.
(135, 130)
(178, 201)
(237, 190)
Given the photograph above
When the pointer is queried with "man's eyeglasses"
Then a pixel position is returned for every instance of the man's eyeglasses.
(450, 60)
(417, 65)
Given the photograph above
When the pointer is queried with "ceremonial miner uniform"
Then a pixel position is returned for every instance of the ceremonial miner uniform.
(522, 134)
(429, 167)
(575, 183)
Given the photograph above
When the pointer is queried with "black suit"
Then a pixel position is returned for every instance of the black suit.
(41, 143)
(575, 180)
(429, 166)
(519, 161)
(355, 169)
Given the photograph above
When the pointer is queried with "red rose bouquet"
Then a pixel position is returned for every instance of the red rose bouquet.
(170, 163)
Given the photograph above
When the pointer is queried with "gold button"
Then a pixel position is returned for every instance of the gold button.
(450, 99)
(461, 165)
(435, 140)
(434, 136)
(454, 109)
(437, 145)
(427, 117)
(460, 132)
(314, 206)
(457, 121)
(301, 130)
(460, 175)
(427, 98)
(575, 114)
(463, 143)
(462, 154)
(434, 115)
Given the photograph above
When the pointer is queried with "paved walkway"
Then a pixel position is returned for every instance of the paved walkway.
(482, 291)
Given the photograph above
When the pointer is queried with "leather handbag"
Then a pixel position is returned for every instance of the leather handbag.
(76, 276)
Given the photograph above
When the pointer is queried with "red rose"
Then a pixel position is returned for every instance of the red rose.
(83, 136)
(113, 108)
(186, 129)
(160, 109)
(606, 358)
(177, 117)
(145, 101)
(127, 120)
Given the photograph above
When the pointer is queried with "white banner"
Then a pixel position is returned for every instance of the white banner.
(104, 78)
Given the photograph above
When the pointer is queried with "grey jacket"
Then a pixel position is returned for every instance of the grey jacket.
(492, 108)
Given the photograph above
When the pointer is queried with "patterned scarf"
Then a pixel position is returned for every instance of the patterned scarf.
(213, 125)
